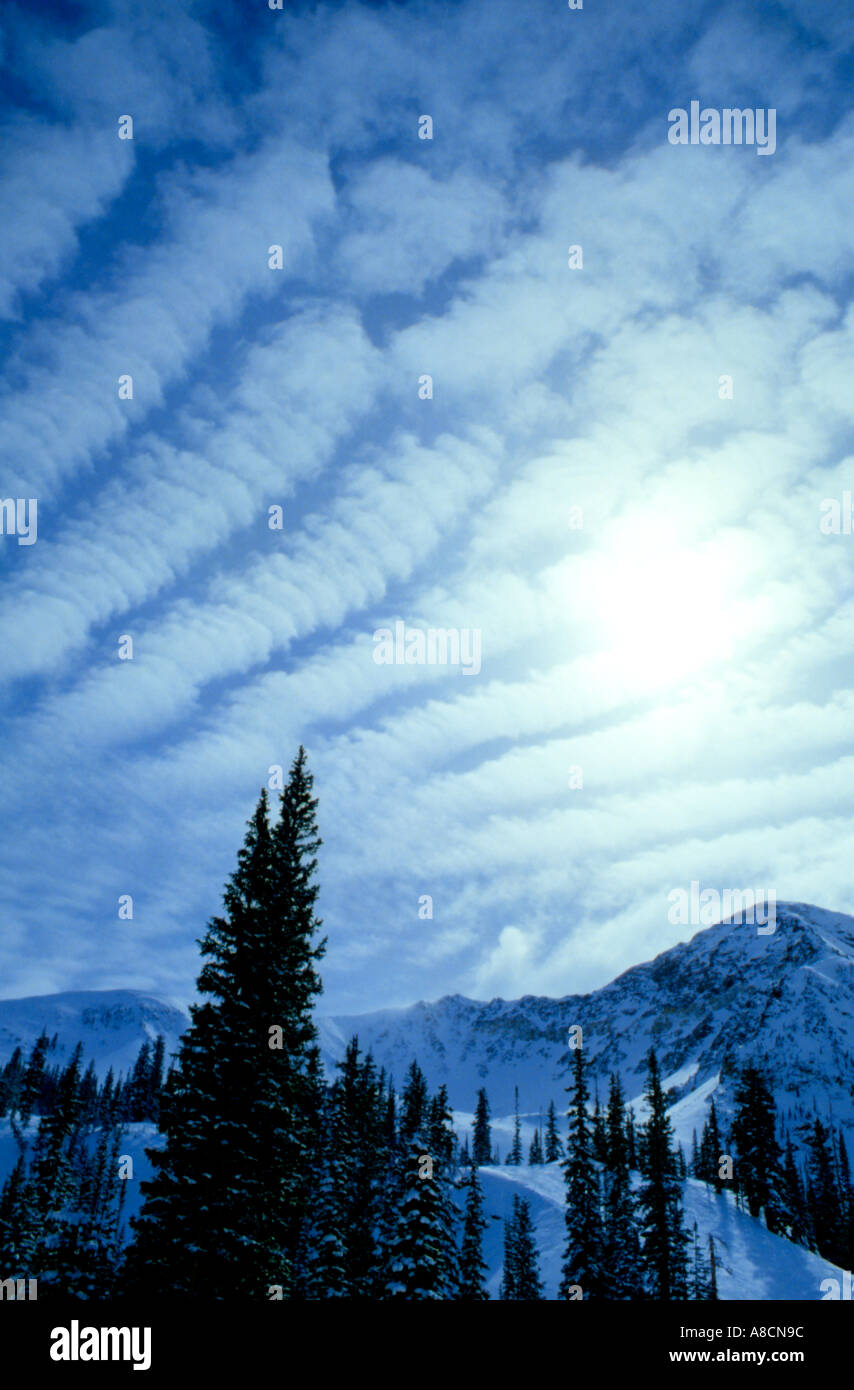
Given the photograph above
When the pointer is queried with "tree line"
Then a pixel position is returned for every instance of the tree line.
(272, 1184)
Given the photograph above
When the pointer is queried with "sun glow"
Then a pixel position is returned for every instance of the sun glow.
(658, 603)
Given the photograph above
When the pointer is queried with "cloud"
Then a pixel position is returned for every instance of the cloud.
(640, 553)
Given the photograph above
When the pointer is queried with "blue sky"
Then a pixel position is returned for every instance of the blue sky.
(641, 554)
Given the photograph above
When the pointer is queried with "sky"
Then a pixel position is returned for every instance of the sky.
(528, 373)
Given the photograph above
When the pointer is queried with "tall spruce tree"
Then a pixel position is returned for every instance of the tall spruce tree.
(473, 1267)
(600, 1139)
(554, 1148)
(758, 1163)
(621, 1264)
(422, 1261)
(482, 1137)
(663, 1256)
(11, 1081)
(535, 1151)
(712, 1291)
(521, 1274)
(799, 1228)
(414, 1103)
(33, 1078)
(48, 1202)
(224, 1213)
(583, 1252)
(710, 1153)
(341, 1252)
(529, 1286)
(823, 1194)
(514, 1157)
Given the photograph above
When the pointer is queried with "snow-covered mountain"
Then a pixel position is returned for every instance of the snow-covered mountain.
(728, 996)
(112, 1025)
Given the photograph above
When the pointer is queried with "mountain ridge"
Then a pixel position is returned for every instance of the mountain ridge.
(727, 996)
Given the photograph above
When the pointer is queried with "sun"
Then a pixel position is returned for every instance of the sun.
(662, 605)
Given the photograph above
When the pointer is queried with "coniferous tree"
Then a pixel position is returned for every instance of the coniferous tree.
(11, 1081)
(799, 1228)
(414, 1102)
(52, 1184)
(758, 1167)
(482, 1138)
(18, 1234)
(421, 1260)
(554, 1148)
(33, 1079)
(442, 1144)
(528, 1283)
(508, 1285)
(89, 1243)
(341, 1251)
(701, 1275)
(136, 1098)
(712, 1292)
(155, 1081)
(521, 1276)
(390, 1119)
(631, 1140)
(224, 1214)
(89, 1106)
(535, 1152)
(846, 1202)
(663, 1255)
(323, 1269)
(583, 1253)
(473, 1267)
(823, 1195)
(106, 1100)
(621, 1263)
(514, 1157)
(441, 1139)
(600, 1138)
(711, 1151)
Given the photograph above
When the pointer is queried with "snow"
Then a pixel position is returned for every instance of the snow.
(729, 995)
(753, 1263)
(112, 1024)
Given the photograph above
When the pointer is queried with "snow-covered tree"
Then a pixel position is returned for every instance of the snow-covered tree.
(514, 1157)
(521, 1273)
(621, 1263)
(473, 1267)
(663, 1256)
(583, 1252)
(554, 1148)
(535, 1151)
(482, 1138)
(224, 1213)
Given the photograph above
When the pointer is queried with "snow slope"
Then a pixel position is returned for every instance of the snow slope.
(753, 1264)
